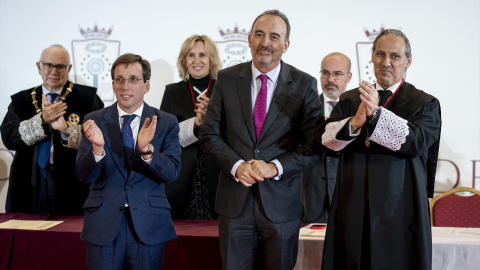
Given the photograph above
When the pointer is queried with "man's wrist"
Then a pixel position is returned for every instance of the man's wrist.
(149, 151)
(276, 168)
(376, 112)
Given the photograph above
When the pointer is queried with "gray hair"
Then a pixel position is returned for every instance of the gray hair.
(398, 33)
(275, 12)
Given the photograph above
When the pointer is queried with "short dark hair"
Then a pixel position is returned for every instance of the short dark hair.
(275, 12)
(398, 33)
(130, 58)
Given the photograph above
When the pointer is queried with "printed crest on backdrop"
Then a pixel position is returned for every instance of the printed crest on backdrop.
(233, 49)
(364, 56)
(93, 58)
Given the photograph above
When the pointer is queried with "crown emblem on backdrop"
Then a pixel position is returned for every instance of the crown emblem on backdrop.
(93, 57)
(234, 34)
(233, 48)
(373, 33)
(95, 32)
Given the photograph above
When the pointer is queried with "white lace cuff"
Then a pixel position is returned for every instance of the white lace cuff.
(186, 135)
(330, 134)
(75, 136)
(391, 130)
(31, 130)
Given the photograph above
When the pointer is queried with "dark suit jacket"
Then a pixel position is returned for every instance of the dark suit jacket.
(144, 186)
(319, 183)
(227, 135)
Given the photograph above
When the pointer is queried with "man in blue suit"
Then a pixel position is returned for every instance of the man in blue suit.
(127, 215)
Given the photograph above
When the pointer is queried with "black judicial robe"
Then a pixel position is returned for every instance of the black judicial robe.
(177, 100)
(399, 184)
(25, 188)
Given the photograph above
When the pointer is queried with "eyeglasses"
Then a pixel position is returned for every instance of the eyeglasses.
(132, 80)
(50, 66)
(337, 75)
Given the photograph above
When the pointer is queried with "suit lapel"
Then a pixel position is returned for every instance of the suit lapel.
(244, 92)
(280, 97)
(322, 108)
(113, 138)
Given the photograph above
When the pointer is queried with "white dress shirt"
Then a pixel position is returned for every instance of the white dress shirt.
(256, 84)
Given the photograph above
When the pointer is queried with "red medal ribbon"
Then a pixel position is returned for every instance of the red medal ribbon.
(191, 91)
(388, 100)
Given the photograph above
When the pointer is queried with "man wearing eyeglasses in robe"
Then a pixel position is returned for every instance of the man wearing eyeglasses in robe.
(319, 180)
(43, 127)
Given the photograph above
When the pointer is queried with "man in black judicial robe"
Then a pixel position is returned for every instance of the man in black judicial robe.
(389, 148)
(31, 121)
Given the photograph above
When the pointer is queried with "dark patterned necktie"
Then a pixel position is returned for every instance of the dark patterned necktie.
(128, 143)
(44, 148)
(384, 95)
(260, 110)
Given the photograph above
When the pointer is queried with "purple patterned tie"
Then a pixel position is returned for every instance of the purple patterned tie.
(333, 103)
(260, 110)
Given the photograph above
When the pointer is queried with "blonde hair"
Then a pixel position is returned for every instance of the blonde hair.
(211, 50)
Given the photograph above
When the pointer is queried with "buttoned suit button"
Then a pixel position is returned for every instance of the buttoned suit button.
(256, 151)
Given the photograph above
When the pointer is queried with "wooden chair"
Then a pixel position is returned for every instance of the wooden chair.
(451, 210)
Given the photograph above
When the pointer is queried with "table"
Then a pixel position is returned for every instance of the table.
(456, 248)
(452, 249)
(60, 247)
(196, 247)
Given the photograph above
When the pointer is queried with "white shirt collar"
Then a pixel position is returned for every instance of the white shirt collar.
(391, 88)
(327, 106)
(138, 112)
(272, 74)
(46, 91)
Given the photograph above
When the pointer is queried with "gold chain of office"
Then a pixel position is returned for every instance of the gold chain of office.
(62, 98)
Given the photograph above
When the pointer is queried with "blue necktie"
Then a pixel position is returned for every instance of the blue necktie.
(44, 148)
(128, 139)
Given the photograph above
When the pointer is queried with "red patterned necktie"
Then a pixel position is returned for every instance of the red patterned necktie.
(260, 110)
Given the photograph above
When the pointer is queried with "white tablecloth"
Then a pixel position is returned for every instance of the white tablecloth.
(453, 249)
(456, 248)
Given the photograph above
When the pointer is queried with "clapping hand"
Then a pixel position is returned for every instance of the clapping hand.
(146, 134)
(52, 111)
(201, 109)
(95, 136)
